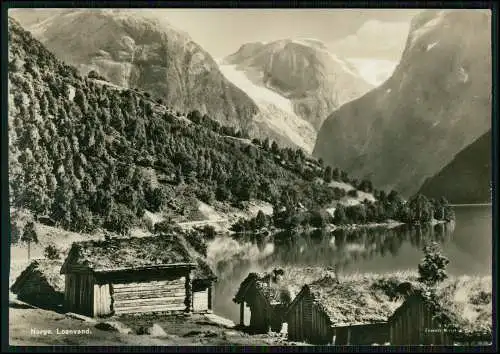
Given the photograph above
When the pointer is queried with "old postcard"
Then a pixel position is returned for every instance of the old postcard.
(250, 177)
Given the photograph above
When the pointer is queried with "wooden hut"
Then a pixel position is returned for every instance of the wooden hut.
(127, 275)
(266, 301)
(41, 284)
(457, 313)
(268, 295)
(342, 313)
(202, 287)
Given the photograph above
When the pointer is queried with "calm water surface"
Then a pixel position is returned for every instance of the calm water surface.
(467, 243)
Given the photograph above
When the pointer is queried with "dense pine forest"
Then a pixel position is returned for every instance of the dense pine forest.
(92, 155)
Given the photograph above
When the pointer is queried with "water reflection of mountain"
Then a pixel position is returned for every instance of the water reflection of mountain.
(340, 248)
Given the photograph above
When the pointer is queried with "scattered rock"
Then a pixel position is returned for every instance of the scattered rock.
(114, 326)
(80, 317)
(233, 333)
(156, 331)
(193, 333)
(207, 333)
(210, 333)
(220, 320)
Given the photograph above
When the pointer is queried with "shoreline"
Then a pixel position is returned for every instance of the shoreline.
(472, 204)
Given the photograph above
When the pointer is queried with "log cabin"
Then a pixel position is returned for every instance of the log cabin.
(266, 302)
(41, 284)
(129, 275)
(268, 295)
(327, 311)
(458, 312)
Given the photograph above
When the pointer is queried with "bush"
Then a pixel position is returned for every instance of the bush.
(51, 252)
(432, 269)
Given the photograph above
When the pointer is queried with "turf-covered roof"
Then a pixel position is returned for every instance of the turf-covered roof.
(464, 304)
(41, 270)
(282, 290)
(128, 253)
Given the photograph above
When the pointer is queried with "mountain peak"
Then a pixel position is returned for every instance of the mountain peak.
(437, 101)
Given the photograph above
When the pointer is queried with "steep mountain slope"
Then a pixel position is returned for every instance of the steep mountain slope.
(94, 155)
(467, 178)
(276, 117)
(437, 102)
(133, 50)
(303, 72)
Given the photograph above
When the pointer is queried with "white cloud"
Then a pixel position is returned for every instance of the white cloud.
(374, 39)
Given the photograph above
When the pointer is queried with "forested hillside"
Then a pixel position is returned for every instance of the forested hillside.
(93, 155)
(90, 154)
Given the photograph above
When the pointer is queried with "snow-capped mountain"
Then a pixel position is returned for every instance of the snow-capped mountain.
(134, 50)
(437, 102)
(302, 72)
(276, 116)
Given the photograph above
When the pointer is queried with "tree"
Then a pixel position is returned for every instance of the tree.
(432, 268)
(260, 220)
(447, 211)
(51, 252)
(340, 217)
(209, 232)
(195, 116)
(327, 176)
(420, 209)
(275, 148)
(29, 236)
(120, 219)
(336, 174)
(319, 218)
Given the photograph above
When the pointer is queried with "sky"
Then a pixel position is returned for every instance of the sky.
(363, 33)
(222, 31)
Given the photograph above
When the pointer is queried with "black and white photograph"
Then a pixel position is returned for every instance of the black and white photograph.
(250, 177)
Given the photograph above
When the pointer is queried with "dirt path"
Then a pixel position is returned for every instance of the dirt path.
(28, 326)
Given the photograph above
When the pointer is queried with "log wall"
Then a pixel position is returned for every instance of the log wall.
(159, 295)
(129, 292)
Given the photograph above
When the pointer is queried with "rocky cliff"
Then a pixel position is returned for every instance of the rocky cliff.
(437, 102)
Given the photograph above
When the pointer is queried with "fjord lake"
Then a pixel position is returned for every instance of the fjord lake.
(466, 242)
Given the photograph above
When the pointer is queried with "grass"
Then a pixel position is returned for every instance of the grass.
(467, 302)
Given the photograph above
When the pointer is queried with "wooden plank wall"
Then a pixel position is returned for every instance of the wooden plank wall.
(37, 291)
(321, 331)
(308, 323)
(259, 314)
(201, 301)
(367, 334)
(102, 300)
(79, 293)
(414, 324)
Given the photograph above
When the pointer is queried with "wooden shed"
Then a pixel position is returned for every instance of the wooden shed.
(41, 284)
(458, 312)
(127, 275)
(267, 302)
(342, 313)
(202, 287)
(268, 295)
